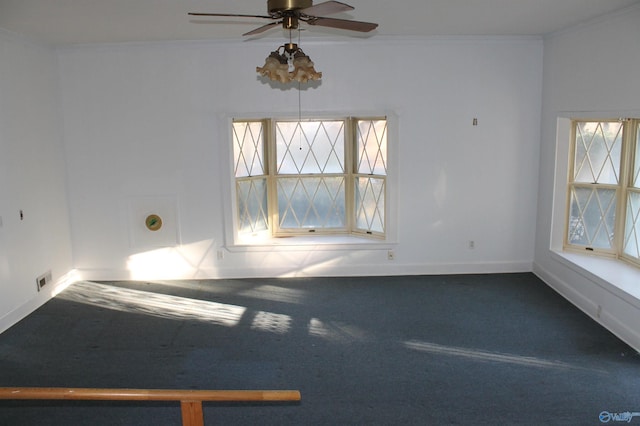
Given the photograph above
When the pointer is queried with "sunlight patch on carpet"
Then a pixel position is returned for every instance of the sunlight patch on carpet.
(275, 294)
(154, 304)
(336, 331)
(272, 323)
(479, 355)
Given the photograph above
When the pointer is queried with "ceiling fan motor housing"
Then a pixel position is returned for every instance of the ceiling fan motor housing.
(277, 7)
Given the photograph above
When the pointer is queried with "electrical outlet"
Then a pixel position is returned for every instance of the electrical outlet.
(391, 255)
(43, 280)
(472, 244)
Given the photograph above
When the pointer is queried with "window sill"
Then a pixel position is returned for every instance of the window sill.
(304, 243)
(615, 276)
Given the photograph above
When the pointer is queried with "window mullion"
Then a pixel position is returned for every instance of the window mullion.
(271, 172)
(631, 140)
(625, 180)
(570, 181)
(350, 141)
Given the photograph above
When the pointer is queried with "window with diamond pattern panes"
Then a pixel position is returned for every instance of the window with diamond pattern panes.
(597, 152)
(248, 148)
(604, 188)
(371, 170)
(294, 178)
(310, 162)
(593, 192)
(252, 205)
(250, 172)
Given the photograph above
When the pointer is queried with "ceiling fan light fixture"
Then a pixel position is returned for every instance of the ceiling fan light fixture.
(304, 68)
(292, 64)
(275, 67)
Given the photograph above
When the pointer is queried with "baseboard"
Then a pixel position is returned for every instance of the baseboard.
(610, 319)
(382, 269)
(21, 312)
(39, 299)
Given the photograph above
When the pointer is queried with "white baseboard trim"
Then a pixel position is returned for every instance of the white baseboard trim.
(39, 299)
(387, 268)
(608, 318)
(10, 319)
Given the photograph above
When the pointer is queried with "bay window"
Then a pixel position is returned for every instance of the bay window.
(313, 176)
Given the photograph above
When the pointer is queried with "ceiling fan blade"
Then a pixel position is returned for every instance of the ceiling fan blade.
(229, 14)
(326, 8)
(262, 28)
(343, 24)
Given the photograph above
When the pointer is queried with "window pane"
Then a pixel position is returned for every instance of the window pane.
(591, 217)
(311, 202)
(310, 147)
(632, 226)
(369, 193)
(372, 147)
(597, 154)
(248, 149)
(252, 205)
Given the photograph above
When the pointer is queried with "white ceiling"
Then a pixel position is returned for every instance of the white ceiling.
(59, 22)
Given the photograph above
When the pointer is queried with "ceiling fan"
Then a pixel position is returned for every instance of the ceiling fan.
(290, 12)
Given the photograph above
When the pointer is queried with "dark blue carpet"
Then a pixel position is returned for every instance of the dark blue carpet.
(413, 350)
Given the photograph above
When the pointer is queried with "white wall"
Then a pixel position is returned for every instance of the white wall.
(145, 125)
(32, 179)
(589, 71)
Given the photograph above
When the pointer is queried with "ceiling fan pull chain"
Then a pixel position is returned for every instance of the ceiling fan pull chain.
(299, 98)
(300, 114)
